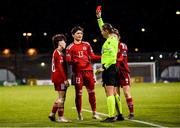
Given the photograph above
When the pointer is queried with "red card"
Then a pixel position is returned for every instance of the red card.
(98, 8)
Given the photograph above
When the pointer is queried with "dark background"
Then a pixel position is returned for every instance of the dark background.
(158, 17)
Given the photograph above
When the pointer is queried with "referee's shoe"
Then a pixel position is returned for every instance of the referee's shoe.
(109, 119)
(119, 117)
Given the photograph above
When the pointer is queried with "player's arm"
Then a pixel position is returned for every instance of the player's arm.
(123, 52)
(66, 82)
(120, 57)
(92, 55)
(68, 56)
(95, 57)
(61, 70)
(63, 74)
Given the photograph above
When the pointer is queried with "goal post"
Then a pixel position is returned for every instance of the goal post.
(145, 71)
(139, 71)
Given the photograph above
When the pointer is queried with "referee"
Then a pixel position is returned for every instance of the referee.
(108, 61)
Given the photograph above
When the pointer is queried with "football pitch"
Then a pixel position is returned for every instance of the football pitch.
(156, 105)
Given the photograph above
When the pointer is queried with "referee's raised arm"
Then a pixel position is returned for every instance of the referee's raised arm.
(99, 18)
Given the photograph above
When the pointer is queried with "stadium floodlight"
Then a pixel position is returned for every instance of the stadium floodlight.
(45, 33)
(177, 12)
(27, 34)
(136, 49)
(6, 52)
(160, 56)
(42, 64)
(151, 58)
(31, 52)
(95, 40)
(176, 56)
(143, 29)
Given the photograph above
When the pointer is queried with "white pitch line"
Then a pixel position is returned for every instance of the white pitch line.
(138, 121)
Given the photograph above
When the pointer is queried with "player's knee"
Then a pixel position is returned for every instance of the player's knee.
(91, 91)
(127, 95)
(60, 101)
(79, 93)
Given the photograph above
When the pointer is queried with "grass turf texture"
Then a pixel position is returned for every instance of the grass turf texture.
(29, 106)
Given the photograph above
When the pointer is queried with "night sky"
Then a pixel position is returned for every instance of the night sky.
(158, 17)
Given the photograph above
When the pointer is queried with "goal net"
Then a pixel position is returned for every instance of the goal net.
(143, 72)
(139, 72)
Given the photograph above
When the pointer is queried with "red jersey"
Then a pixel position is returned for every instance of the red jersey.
(59, 70)
(80, 55)
(122, 58)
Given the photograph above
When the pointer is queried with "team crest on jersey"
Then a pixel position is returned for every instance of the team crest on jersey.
(84, 48)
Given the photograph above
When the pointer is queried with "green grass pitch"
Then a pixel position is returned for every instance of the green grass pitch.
(156, 105)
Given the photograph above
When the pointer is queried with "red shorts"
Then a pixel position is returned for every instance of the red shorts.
(60, 86)
(123, 78)
(85, 78)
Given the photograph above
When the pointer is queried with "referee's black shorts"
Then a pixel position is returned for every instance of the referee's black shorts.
(109, 76)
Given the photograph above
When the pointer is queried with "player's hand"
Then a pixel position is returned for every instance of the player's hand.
(98, 11)
(67, 84)
(120, 59)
